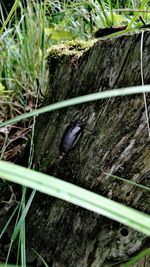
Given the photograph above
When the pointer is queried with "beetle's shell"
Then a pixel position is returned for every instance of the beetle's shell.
(71, 136)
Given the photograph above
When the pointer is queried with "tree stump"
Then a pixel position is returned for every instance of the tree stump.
(117, 143)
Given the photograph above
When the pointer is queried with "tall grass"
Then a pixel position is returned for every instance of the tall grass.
(25, 41)
(23, 50)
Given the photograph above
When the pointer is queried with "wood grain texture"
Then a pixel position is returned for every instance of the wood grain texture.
(66, 235)
(118, 144)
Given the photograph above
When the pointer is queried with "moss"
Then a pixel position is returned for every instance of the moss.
(70, 48)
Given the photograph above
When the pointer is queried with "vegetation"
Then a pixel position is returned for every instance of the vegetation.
(30, 30)
(25, 37)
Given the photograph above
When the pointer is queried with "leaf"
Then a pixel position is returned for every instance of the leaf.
(58, 35)
(2, 88)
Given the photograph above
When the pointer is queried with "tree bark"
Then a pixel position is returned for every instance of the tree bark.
(66, 235)
(117, 143)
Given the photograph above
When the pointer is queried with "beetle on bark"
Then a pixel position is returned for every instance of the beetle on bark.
(71, 135)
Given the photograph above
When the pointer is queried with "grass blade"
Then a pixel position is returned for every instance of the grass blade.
(136, 259)
(144, 3)
(40, 257)
(8, 222)
(80, 100)
(23, 215)
(146, 188)
(75, 195)
(15, 5)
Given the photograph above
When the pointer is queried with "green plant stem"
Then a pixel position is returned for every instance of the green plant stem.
(15, 5)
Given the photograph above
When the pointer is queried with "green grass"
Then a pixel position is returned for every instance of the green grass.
(73, 194)
(134, 260)
(25, 40)
(23, 49)
(13, 9)
(80, 100)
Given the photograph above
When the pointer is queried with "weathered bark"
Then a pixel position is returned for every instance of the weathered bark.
(67, 235)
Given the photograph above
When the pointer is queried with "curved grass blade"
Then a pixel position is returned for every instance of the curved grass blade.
(75, 195)
(40, 257)
(9, 220)
(143, 4)
(15, 5)
(80, 100)
(22, 217)
(142, 254)
(128, 181)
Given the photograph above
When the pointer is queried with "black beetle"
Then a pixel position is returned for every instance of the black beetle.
(71, 137)
(72, 134)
